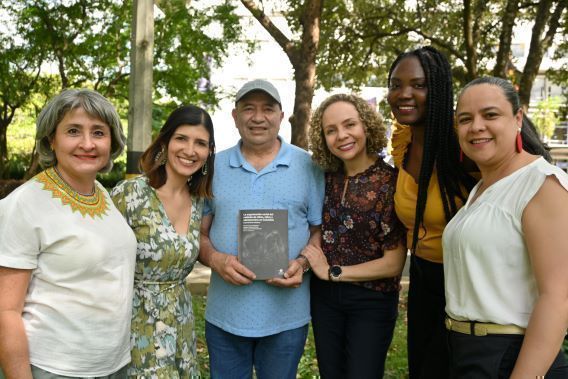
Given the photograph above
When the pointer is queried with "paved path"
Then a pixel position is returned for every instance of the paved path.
(198, 279)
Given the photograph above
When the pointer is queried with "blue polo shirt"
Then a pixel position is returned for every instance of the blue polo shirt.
(292, 182)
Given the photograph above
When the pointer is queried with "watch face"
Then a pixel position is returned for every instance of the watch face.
(335, 271)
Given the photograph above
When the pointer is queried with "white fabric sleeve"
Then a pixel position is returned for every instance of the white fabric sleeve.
(20, 238)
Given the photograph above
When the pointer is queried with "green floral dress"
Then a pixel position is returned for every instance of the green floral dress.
(163, 338)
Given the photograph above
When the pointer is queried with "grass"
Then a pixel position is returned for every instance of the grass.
(395, 367)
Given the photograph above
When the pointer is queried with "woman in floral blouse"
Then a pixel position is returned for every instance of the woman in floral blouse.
(163, 207)
(354, 298)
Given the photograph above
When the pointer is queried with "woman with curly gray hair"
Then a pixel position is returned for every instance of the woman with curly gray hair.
(354, 296)
(66, 253)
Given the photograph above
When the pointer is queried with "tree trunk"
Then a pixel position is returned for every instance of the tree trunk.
(305, 72)
(469, 41)
(302, 54)
(3, 147)
(503, 59)
(539, 46)
(299, 120)
(5, 121)
(141, 83)
(34, 165)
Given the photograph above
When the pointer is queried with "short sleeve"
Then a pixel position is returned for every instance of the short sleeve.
(20, 242)
(392, 230)
(401, 138)
(118, 197)
(315, 207)
(208, 207)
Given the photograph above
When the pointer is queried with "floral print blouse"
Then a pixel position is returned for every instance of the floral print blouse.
(359, 220)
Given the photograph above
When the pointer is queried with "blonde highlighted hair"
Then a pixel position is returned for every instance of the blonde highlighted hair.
(375, 130)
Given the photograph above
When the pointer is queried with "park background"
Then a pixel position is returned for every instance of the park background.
(202, 51)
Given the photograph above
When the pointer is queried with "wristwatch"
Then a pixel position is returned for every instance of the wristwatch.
(335, 273)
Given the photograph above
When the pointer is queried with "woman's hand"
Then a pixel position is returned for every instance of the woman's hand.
(317, 260)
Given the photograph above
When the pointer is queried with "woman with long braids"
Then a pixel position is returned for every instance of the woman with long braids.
(432, 185)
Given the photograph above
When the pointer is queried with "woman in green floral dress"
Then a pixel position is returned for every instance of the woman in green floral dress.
(163, 207)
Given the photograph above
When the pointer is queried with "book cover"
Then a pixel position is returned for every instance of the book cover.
(263, 241)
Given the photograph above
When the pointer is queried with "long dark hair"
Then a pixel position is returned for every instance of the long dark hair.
(150, 161)
(441, 147)
(529, 135)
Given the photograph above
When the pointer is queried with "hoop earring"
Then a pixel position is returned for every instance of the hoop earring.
(204, 170)
(519, 141)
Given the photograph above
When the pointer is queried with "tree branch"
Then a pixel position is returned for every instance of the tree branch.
(268, 25)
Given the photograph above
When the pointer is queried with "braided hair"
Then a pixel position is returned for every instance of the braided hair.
(441, 148)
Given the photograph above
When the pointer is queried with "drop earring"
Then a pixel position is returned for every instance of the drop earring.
(519, 141)
(160, 157)
(204, 170)
(461, 155)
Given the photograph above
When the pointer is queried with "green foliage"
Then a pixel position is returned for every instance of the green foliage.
(21, 135)
(19, 77)
(188, 42)
(21, 144)
(49, 45)
(560, 75)
(545, 117)
(110, 179)
(360, 39)
(16, 166)
(160, 113)
(199, 305)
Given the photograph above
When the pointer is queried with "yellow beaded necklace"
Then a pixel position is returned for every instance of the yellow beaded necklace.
(94, 205)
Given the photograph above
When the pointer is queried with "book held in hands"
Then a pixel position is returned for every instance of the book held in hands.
(263, 241)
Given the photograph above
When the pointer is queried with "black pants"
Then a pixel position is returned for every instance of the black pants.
(427, 334)
(492, 357)
(353, 328)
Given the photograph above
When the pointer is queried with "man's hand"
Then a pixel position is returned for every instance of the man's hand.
(317, 260)
(292, 277)
(230, 269)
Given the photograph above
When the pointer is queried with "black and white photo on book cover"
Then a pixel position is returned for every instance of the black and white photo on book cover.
(263, 241)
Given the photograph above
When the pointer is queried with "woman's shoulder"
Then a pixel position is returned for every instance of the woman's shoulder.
(383, 170)
(552, 172)
(401, 138)
(136, 184)
(24, 193)
(30, 197)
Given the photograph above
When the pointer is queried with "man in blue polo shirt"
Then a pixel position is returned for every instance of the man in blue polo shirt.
(251, 322)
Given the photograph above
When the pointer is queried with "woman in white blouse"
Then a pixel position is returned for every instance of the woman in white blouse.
(506, 250)
(66, 253)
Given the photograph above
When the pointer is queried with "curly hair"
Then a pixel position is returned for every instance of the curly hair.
(441, 148)
(375, 130)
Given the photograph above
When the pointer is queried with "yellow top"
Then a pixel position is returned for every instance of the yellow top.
(429, 245)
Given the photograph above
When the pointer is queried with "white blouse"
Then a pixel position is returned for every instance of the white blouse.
(488, 273)
(81, 252)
